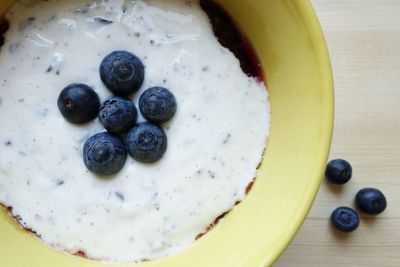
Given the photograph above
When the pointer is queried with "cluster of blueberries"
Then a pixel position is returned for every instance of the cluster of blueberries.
(370, 201)
(105, 153)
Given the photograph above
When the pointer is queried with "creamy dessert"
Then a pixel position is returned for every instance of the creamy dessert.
(145, 211)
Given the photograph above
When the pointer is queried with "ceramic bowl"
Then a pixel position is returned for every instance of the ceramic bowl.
(290, 44)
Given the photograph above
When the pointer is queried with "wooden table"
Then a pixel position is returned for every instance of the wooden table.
(364, 42)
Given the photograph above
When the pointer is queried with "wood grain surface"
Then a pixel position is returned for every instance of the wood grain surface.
(363, 37)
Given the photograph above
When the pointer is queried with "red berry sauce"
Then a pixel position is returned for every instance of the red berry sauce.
(231, 37)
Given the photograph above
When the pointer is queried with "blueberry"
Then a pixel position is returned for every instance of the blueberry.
(104, 153)
(146, 142)
(157, 104)
(122, 72)
(118, 114)
(338, 171)
(78, 103)
(371, 201)
(345, 219)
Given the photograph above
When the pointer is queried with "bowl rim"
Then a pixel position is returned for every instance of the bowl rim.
(318, 41)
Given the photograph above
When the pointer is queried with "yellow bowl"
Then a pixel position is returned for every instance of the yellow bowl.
(288, 39)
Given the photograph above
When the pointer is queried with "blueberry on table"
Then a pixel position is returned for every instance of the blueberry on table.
(146, 142)
(104, 153)
(338, 171)
(78, 103)
(118, 114)
(122, 72)
(371, 201)
(157, 104)
(345, 219)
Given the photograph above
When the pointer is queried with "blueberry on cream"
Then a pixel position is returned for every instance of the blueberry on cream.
(117, 114)
(122, 72)
(146, 142)
(104, 153)
(78, 103)
(157, 104)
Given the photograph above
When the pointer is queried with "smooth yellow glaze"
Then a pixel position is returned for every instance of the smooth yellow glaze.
(288, 39)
